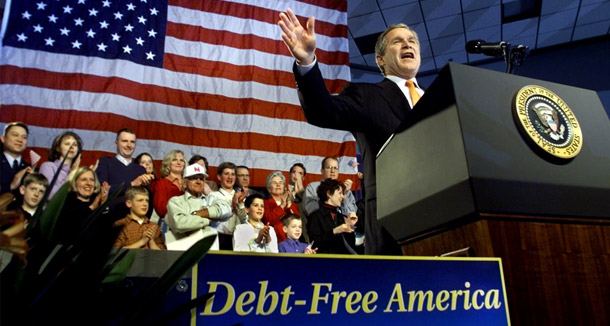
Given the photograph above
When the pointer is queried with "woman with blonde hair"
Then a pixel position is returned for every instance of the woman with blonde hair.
(170, 184)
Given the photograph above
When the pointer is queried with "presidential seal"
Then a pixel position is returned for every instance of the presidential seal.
(547, 121)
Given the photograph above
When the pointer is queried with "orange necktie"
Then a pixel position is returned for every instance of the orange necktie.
(413, 92)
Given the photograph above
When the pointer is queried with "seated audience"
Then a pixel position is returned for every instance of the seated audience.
(279, 205)
(170, 184)
(136, 230)
(226, 178)
(66, 146)
(146, 161)
(210, 185)
(331, 231)
(122, 169)
(12, 166)
(193, 216)
(294, 228)
(84, 195)
(242, 183)
(330, 170)
(33, 189)
(254, 236)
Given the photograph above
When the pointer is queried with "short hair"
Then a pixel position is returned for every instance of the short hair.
(167, 160)
(289, 218)
(198, 157)
(74, 175)
(223, 166)
(36, 178)
(139, 160)
(127, 130)
(329, 158)
(328, 185)
(132, 191)
(10, 125)
(302, 167)
(242, 167)
(251, 198)
(55, 152)
(382, 43)
(273, 175)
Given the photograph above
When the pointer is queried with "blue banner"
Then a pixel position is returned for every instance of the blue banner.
(287, 289)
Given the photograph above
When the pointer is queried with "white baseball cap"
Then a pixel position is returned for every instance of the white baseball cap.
(195, 169)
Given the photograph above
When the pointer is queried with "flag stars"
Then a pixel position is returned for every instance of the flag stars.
(76, 44)
(38, 28)
(90, 33)
(142, 20)
(128, 28)
(140, 41)
(64, 31)
(150, 56)
(154, 11)
(26, 15)
(53, 19)
(152, 33)
(104, 24)
(21, 37)
(106, 3)
(118, 15)
(130, 6)
(81, 2)
(67, 10)
(127, 49)
(93, 12)
(49, 41)
(41, 5)
(78, 22)
(102, 47)
(116, 37)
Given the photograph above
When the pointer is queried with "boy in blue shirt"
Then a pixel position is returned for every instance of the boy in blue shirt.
(293, 226)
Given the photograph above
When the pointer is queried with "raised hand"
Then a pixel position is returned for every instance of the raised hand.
(301, 42)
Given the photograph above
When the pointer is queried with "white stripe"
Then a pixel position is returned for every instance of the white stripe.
(66, 63)
(246, 26)
(178, 116)
(104, 141)
(300, 9)
(246, 57)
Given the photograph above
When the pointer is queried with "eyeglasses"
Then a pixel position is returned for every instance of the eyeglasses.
(331, 168)
(242, 175)
(196, 178)
(277, 183)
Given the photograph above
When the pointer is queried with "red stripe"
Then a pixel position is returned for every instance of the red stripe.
(70, 119)
(265, 15)
(148, 93)
(340, 5)
(190, 65)
(152, 93)
(258, 177)
(249, 41)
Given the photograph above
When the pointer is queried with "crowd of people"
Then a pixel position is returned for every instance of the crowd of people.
(180, 205)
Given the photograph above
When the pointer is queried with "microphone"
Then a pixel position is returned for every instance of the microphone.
(490, 49)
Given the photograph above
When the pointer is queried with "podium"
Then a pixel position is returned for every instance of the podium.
(460, 176)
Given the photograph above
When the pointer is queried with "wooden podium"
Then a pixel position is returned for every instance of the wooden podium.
(459, 177)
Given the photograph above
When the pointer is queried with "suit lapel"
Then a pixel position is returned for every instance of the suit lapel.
(394, 97)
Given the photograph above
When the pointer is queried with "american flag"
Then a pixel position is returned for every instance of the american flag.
(206, 77)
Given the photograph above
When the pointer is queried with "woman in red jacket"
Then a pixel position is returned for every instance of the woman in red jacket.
(279, 205)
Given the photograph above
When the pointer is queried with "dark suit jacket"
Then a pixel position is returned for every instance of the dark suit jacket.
(7, 174)
(320, 228)
(371, 112)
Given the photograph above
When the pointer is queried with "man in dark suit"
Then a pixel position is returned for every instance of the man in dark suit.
(370, 111)
(12, 166)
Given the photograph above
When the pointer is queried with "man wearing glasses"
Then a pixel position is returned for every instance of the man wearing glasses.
(330, 170)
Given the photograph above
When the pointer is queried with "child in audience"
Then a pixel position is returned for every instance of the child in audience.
(33, 189)
(293, 226)
(254, 236)
(136, 230)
